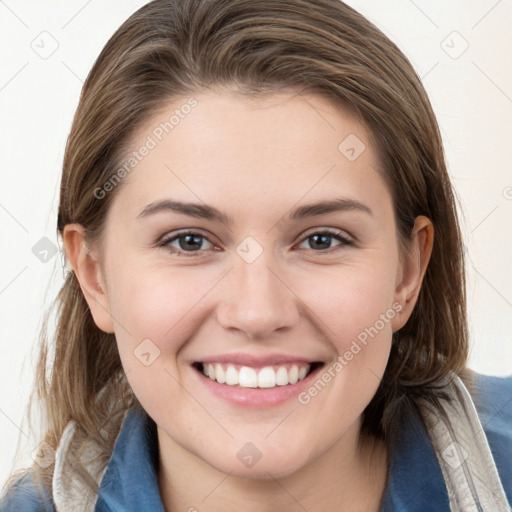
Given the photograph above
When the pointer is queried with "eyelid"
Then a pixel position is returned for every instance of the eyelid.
(330, 231)
(344, 239)
(167, 238)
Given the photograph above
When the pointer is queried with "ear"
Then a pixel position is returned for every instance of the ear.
(86, 265)
(412, 269)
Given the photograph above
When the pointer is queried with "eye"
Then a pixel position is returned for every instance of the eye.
(190, 242)
(321, 239)
(187, 242)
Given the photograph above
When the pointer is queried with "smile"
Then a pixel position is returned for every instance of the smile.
(241, 376)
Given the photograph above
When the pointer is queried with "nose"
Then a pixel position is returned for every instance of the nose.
(257, 300)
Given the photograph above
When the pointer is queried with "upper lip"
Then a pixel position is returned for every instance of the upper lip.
(257, 361)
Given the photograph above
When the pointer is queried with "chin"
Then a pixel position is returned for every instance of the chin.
(254, 464)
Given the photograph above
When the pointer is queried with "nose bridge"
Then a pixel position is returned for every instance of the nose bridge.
(258, 302)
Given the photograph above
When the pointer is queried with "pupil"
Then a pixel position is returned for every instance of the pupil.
(189, 242)
(324, 243)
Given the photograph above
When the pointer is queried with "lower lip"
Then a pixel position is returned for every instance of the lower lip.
(256, 397)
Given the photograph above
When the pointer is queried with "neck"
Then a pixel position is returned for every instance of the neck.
(340, 479)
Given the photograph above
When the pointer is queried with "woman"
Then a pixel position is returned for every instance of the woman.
(266, 303)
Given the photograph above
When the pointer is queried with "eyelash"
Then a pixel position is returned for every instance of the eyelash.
(329, 232)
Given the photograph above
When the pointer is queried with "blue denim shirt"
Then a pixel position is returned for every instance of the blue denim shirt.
(415, 482)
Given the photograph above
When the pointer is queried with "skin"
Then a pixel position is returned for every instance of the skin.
(256, 160)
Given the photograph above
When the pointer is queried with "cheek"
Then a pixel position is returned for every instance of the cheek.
(166, 307)
(157, 311)
(157, 304)
(352, 299)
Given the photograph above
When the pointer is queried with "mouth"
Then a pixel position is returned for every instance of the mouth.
(266, 377)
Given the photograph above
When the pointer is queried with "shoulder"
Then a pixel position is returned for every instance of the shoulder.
(493, 401)
(26, 495)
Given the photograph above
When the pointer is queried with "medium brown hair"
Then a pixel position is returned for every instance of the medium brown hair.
(172, 48)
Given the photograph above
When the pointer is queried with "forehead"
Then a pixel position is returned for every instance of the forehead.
(284, 146)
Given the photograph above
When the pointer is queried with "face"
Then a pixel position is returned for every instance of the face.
(253, 284)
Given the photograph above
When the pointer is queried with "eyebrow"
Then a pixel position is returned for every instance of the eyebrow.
(204, 211)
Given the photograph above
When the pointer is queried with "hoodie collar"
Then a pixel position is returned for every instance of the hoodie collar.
(130, 482)
(416, 482)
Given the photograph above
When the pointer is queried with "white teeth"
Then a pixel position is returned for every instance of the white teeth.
(231, 376)
(281, 376)
(293, 375)
(220, 376)
(267, 378)
(247, 377)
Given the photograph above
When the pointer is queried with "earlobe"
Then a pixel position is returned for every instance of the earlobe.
(86, 266)
(412, 269)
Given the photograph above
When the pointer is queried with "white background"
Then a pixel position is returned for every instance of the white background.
(471, 95)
